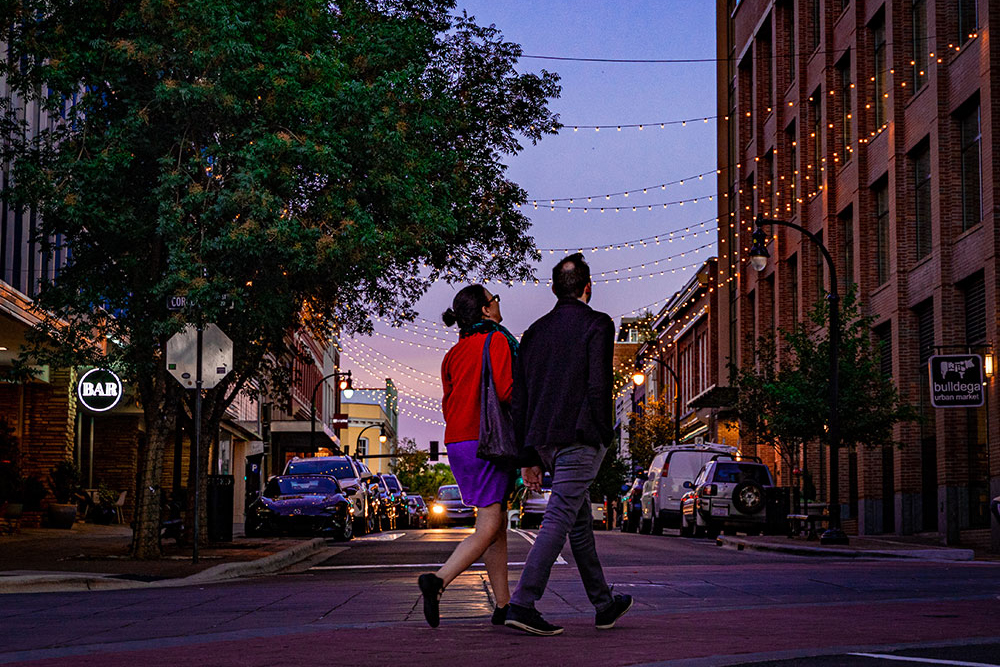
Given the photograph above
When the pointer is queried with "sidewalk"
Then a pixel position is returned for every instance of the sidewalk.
(860, 546)
(92, 556)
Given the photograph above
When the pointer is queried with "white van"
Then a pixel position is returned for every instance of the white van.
(662, 492)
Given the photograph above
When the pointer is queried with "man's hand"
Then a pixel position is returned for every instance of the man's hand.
(532, 477)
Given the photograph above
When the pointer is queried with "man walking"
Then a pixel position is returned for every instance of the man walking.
(562, 406)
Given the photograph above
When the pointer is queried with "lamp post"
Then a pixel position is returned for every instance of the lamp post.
(758, 258)
(382, 437)
(343, 385)
(639, 377)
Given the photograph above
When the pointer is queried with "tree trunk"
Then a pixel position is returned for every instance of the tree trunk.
(160, 418)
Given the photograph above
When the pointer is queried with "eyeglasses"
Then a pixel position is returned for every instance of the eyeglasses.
(496, 297)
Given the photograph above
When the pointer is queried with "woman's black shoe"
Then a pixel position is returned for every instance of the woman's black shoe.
(499, 615)
(431, 587)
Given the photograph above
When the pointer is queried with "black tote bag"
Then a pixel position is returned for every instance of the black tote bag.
(496, 427)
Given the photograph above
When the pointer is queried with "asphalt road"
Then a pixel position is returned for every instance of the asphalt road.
(696, 604)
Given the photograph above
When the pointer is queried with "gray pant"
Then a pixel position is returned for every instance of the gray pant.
(568, 513)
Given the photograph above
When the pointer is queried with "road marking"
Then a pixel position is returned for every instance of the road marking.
(904, 658)
(530, 537)
(396, 565)
(379, 537)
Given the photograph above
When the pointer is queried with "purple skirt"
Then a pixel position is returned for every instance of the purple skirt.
(481, 482)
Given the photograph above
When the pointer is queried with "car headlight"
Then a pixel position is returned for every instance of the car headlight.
(438, 509)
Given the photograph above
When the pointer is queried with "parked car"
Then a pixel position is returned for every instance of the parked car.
(664, 487)
(418, 511)
(530, 504)
(399, 515)
(351, 474)
(312, 504)
(727, 495)
(449, 508)
(600, 516)
(632, 505)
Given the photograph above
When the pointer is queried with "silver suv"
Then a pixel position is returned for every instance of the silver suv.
(726, 495)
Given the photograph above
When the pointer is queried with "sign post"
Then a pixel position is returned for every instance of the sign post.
(956, 380)
(199, 357)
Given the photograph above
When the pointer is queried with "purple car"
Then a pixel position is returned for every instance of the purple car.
(301, 504)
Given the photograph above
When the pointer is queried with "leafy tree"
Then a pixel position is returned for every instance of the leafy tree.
(786, 407)
(279, 162)
(649, 429)
(410, 462)
(427, 482)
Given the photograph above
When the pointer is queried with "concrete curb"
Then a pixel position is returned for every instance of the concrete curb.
(62, 583)
(941, 554)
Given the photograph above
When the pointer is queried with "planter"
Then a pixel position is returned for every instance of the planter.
(62, 516)
(13, 511)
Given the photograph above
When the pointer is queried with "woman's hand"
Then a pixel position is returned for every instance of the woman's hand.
(532, 477)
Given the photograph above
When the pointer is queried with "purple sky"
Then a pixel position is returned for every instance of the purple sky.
(585, 162)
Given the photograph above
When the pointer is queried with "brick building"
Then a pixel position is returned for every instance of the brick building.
(870, 123)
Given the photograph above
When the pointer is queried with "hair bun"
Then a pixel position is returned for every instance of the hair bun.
(449, 317)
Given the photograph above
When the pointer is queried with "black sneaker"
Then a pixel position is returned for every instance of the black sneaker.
(431, 587)
(499, 615)
(529, 620)
(605, 620)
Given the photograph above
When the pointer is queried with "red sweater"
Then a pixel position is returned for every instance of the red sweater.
(461, 373)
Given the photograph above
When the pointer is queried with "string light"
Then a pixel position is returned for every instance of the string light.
(626, 193)
(633, 244)
(638, 126)
(619, 209)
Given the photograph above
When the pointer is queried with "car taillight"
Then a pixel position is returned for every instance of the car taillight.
(709, 490)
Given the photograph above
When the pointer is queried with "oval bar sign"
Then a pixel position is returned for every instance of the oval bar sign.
(99, 389)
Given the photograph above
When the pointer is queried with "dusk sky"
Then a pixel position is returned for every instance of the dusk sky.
(582, 163)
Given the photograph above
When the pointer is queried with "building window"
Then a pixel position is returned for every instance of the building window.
(765, 62)
(793, 166)
(847, 233)
(789, 13)
(772, 186)
(882, 233)
(820, 268)
(793, 285)
(968, 20)
(922, 199)
(846, 94)
(972, 211)
(362, 448)
(921, 47)
(883, 338)
(816, 11)
(816, 141)
(881, 72)
(974, 291)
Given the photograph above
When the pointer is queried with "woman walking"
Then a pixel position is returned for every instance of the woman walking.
(483, 484)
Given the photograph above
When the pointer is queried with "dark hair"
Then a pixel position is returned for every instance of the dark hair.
(570, 276)
(467, 307)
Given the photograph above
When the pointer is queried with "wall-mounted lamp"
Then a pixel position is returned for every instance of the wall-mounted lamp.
(988, 364)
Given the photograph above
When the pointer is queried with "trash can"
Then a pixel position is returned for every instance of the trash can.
(220, 508)
(778, 503)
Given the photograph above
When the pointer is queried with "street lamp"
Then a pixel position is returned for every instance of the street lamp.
(758, 258)
(343, 385)
(382, 437)
(638, 377)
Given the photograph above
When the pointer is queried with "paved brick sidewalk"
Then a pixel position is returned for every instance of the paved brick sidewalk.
(94, 549)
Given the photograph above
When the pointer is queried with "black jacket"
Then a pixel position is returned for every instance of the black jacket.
(563, 380)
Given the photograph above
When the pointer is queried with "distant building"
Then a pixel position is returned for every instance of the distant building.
(373, 412)
(870, 124)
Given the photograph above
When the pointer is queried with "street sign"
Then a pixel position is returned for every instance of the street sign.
(956, 380)
(216, 356)
(176, 302)
(339, 421)
(99, 390)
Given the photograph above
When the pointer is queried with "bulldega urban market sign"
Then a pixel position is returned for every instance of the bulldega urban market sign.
(99, 390)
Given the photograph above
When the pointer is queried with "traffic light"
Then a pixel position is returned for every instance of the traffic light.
(434, 450)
